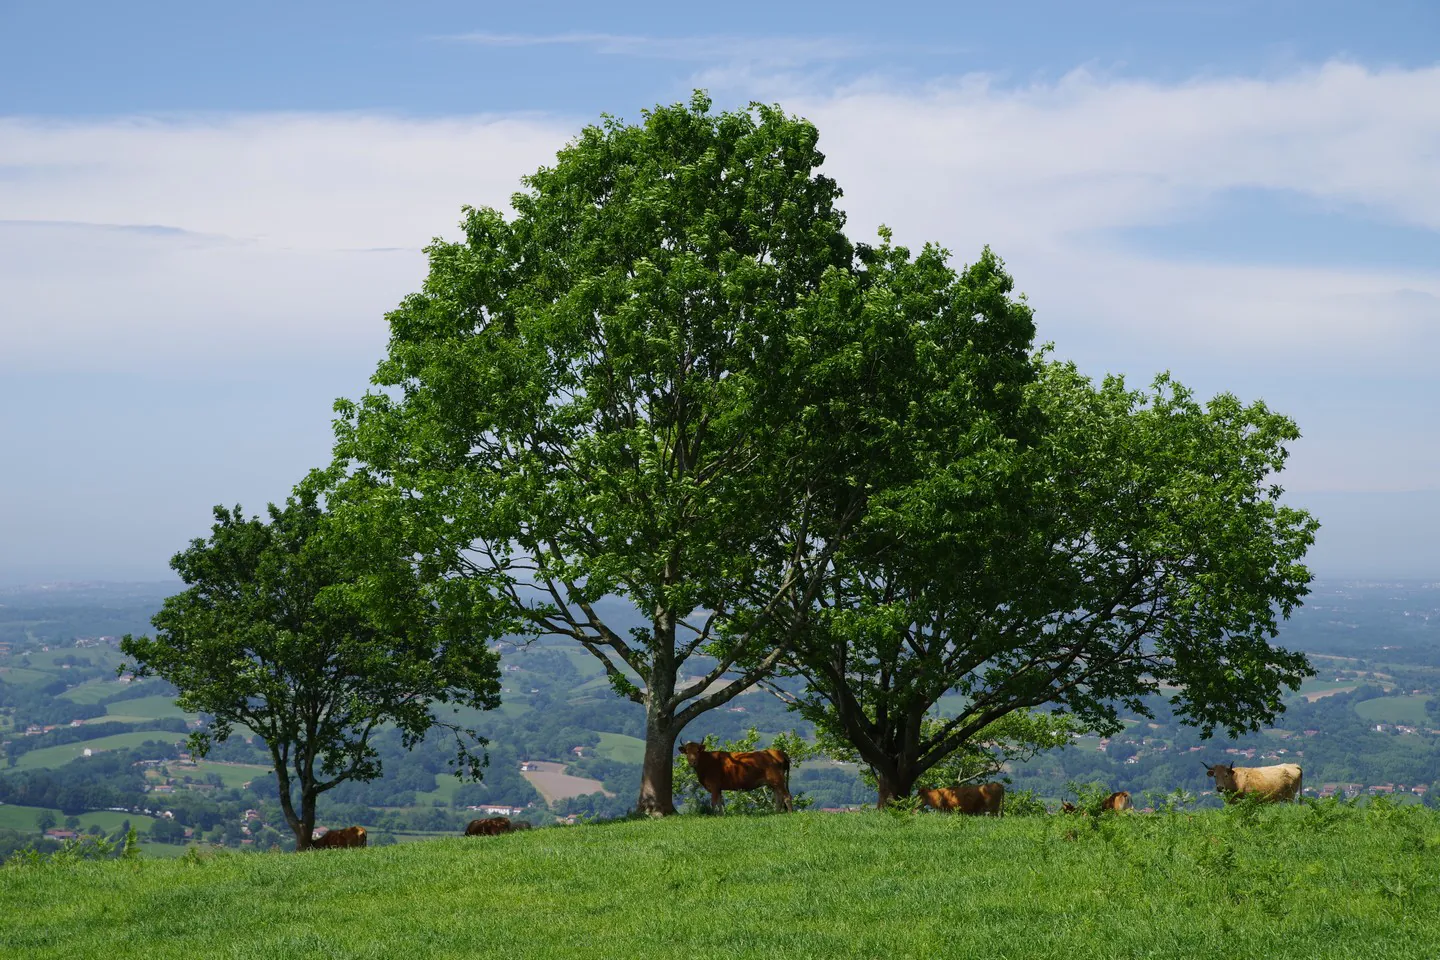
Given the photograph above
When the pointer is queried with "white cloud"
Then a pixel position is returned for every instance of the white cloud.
(268, 213)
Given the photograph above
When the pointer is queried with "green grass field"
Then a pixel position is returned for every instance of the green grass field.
(51, 757)
(1408, 710)
(1287, 881)
(234, 774)
(620, 748)
(146, 708)
(14, 817)
(92, 691)
(23, 676)
(106, 657)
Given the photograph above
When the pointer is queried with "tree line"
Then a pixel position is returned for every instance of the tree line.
(844, 470)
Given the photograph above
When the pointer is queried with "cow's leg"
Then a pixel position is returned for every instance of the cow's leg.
(717, 802)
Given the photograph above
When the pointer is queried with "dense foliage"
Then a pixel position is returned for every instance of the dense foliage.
(313, 636)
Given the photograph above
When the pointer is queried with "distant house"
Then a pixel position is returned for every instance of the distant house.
(529, 766)
(56, 834)
(578, 751)
(497, 809)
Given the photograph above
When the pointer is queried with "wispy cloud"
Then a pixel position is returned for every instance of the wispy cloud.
(1048, 174)
(774, 52)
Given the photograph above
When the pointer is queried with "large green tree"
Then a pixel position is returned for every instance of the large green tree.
(597, 397)
(1119, 544)
(311, 632)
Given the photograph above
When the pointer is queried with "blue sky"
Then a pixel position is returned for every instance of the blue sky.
(205, 212)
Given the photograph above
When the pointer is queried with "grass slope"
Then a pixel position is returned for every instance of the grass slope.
(620, 748)
(16, 817)
(1289, 881)
(51, 757)
(146, 708)
(1409, 710)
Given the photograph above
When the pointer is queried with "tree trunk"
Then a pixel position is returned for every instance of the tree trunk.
(307, 818)
(298, 826)
(892, 786)
(657, 775)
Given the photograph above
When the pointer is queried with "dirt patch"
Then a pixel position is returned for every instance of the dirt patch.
(555, 784)
(1314, 695)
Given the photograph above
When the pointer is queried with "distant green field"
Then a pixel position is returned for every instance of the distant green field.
(98, 657)
(51, 757)
(146, 708)
(93, 691)
(23, 676)
(584, 662)
(1408, 710)
(1212, 886)
(234, 774)
(445, 786)
(20, 818)
(620, 748)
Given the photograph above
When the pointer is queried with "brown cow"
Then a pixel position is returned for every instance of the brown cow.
(1067, 807)
(335, 839)
(493, 826)
(719, 770)
(967, 798)
(1280, 783)
(1117, 802)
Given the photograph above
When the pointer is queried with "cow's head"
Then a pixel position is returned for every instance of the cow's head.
(691, 751)
(1223, 775)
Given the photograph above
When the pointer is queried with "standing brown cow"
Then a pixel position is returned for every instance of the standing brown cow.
(491, 826)
(967, 798)
(719, 770)
(336, 839)
(1117, 802)
(1278, 784)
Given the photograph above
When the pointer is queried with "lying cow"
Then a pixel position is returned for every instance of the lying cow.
(493, 826)
(718, 770)
(1278, 784)
(967, 798)
(1117, 802)
(335, 839)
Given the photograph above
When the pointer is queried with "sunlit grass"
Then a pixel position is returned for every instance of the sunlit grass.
(1347, 883)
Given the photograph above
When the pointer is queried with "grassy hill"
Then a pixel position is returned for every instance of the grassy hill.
(1336, 882)
(50, 757)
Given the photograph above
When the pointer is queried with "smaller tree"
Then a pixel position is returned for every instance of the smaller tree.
(45, 820)
(313, 630)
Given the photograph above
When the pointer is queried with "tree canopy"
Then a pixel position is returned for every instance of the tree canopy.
(596, 397)
(669, 377)
(1123, 544)
(312, 634)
